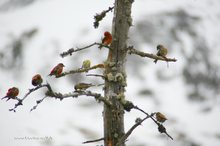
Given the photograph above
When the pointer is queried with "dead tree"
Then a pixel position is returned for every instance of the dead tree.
(113, 99)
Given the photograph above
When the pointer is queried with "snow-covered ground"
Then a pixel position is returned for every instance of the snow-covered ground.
(68, 23)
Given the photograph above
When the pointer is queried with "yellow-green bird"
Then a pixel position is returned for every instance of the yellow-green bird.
(86, 64)
(82, 86)
(162, 51)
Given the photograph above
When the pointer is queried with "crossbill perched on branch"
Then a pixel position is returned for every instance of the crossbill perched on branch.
(57, 70)
(106, 40)
(36, 80)
(82, 86)
(162, 51)
(160, 117)
(86, 64)
(12, 93)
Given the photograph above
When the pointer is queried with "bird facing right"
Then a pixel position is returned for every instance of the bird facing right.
(162, 51)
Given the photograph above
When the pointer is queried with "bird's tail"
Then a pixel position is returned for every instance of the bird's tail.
(8, 98)
(3, 97)
(49, 75)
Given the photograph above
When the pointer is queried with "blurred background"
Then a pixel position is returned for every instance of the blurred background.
(34, 32)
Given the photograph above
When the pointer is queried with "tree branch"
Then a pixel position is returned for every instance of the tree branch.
(60, 96)
(151, 116)
(96, 75)
(80, 70)
(99, 17)
(128, 133)
(38, 102)
(129, 105)
(131, 50)
(28, 93)
(72, 50)
(161, 128)
(97, 96)
(95, 140)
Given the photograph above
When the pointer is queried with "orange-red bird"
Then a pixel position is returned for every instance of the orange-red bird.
(107, 39)
(36, 80)
(57, 70)
(12, 93)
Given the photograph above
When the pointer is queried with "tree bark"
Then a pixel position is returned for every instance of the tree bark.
(115, 72)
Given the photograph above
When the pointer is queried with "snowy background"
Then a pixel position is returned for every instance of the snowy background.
(34, 32)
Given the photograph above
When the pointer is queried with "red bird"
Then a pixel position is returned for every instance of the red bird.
(57, 70)
(12, 93)
(107, 39)
(37, 80)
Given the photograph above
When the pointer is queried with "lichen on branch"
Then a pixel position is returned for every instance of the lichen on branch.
(72, 50)
(131, 50)
(81, 70)
(20, 101)
(97, 96)
(100, 16)
(128, 105)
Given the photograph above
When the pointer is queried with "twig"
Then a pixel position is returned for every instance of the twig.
(161, 128)
(96, 75)
(99, 17)
(96, 140)
(129, 105)
(131, 50)
(36, 88)
(80, 70)
(97, 96)
(28, 93)
(128, 133)
(100, 84)
(72, 50)
(151, 116)
(38, 102)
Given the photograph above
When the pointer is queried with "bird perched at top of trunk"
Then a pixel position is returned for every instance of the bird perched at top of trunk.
(57, 70)
(162, 51)
(12, 93)
(36, 80)
(82, 86)
(106, 40)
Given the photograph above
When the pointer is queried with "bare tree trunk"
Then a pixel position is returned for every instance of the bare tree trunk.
(115, 71)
